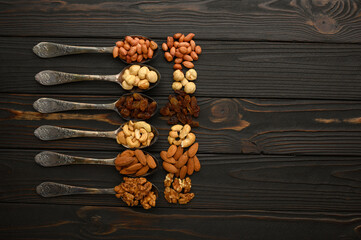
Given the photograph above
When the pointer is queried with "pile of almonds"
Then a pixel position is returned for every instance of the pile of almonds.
(135, 49)
(181, 163)
(134, 163)
(182, 49)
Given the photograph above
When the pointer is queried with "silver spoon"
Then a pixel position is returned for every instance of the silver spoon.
(50, 50)
(51, 105)
(53, 159)
(50, 77)
(47, 132)
(52, 189)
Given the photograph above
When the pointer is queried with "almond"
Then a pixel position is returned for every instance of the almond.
(126, 172)
(193, 150)
(183, 50)
(127, 153)
(177, 173)
(187, 58)
(198, 49)
(182, 160)
(142, 171)
(177, 35)
(115, 52)
(183, 172)
(189, 37)
(169, 167)
(151, 162)
(178, 60)
(194, 55)
(177, 66)
(178, 153)
(134, 167)
(153, 45)
(140, 156)
(164, 47)
(163, 155)
(119, 44)
(168, 56)
(190, 166)
(171, 151)
(122, 161)
(197, 164)
(171, 160)
(188, 64)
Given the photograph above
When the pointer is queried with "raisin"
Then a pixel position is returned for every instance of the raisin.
(137, 96)
(147, 115)
(164, 111)
(194, 124)
(173, 120)
(143, 104)
(125, 112)
(151, 107)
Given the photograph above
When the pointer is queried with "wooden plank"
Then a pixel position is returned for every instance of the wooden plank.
(276, 20)
(225, 69)
(227, 125)
(261, 182)
(23, 221)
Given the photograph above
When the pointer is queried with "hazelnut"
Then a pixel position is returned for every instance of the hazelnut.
(190, 88)
(143, 72)
(134, 69)
(178, 75)
(143, 84)
(177, 86)
(152, 76)
(191, 75)
(184, 82)
(130, 79)
(126, 86)
(125, 74)
(136, 81)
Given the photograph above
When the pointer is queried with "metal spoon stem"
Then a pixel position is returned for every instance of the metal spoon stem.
(52, 189)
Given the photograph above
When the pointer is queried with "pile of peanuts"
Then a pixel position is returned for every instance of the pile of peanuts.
(138, 76)
(135, 134)
(181, 163)
(134, 163)
(182, 49)
(135, 49)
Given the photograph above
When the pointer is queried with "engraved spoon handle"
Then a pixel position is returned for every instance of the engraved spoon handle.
(50, 77)
(47, 132)
(52, 189)
(49, 49)
(50, 105)
(53, 159)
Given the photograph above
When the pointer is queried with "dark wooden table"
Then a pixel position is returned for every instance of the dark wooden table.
(280, 138)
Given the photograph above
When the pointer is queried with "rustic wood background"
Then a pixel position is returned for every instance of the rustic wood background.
(280, 137)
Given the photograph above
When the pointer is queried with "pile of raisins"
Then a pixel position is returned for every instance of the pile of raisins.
(135, 106)
(181, 108)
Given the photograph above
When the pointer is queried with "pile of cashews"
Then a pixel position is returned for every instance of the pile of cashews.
(135, 134)
(181, 135)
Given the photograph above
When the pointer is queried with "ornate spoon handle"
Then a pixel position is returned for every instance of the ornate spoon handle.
(50, 77)
(52, 189)
(47, 132)
(49, 49)
(50, 105)
(53, 159)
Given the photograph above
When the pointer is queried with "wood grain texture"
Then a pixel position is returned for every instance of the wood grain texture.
(225, 69)
(227, 125)
(260, 182)
(91, 222)
(275, 20)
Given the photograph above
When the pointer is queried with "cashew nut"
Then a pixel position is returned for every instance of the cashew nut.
(121, 138)
(173, 134)
(177, 142)
(126, 130)
(151, 136)
(132, 143)
(137, 134)
(191, 138)
(143, 135)
(177, 127)
(142, 124)
(170, 140)
(184, 132)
